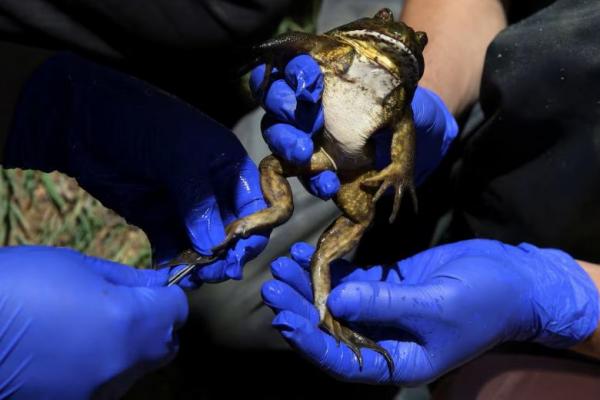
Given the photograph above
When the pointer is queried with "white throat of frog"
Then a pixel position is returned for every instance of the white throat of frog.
(396, 44)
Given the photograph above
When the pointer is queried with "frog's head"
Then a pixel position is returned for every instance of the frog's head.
(391, 43)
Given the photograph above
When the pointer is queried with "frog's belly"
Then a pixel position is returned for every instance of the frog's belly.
(353, 107)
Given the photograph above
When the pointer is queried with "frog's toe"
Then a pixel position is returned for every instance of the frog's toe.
(382, 181)
(400, 186)
(354, 341)
(376, 182)
(236, 230)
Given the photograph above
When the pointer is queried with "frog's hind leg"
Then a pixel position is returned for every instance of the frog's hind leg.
(277, 193)
(341, 237)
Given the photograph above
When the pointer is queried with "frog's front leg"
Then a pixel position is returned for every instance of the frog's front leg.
(277, 52)
(278, 195)
(400, 173)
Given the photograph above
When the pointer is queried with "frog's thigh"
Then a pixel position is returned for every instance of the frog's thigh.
(277, 191)
(356, 203)
(403, 144)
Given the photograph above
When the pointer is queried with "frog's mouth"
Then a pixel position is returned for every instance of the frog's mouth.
(396, 44)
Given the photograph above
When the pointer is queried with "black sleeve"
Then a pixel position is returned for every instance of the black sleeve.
(191, 48)
(138, 28)
(531, 172)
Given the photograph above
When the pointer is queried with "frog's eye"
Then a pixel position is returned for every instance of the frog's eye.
(422, 38)
(385, 14)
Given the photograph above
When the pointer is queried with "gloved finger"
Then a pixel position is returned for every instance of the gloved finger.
(248, 197)
(304, 75)
(201, 215)
(287, 141)
(309, 117)
(236, 185)
(302, 253)
(214, 272)
(124, 275)
(324, 185)
(204, 226)
(238, 191)
(281, 297)
(158, 313)
(257, 76)
(230, 265)
(341, 270)
(345, 271)
(431, 115)
(288, 271)
(322, 349)
(281, 102)
(436, 129)
(244, 250)
(382, 303)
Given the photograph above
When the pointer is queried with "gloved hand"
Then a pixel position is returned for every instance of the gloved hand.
(294, 114)
(74, 326)
(155, 160)
(438, 309)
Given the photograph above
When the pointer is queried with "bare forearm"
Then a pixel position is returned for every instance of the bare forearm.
(459, 33)
(591, 347)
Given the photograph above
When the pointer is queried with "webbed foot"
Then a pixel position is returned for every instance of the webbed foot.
(353, 340)
(395, 176)
(238, 229)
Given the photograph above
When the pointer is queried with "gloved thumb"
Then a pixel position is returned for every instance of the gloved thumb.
(381, 303)
(124, 275)
(431, 116)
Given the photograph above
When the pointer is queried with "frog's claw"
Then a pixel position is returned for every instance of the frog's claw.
(354, 341)
(238, 229)
(392, 176)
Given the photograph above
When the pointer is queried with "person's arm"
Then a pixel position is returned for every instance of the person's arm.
(459, 33)
(591, 346)
(159, 163)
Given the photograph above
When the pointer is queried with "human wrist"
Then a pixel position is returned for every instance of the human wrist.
(459, 34)
(591, 345)
(563, 297)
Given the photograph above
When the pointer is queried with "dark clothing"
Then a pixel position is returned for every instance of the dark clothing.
(139, 29)
(187, 47)
(531, 172)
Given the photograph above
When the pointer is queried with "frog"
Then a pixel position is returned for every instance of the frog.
(371, 68)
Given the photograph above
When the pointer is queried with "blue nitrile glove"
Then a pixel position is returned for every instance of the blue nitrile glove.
(438, 309)
(74, 326)
(155, 160)
(294, 114)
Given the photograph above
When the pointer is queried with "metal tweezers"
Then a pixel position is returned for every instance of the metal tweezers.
(192, 260)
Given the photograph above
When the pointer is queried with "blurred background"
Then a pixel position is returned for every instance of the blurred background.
(228, 337)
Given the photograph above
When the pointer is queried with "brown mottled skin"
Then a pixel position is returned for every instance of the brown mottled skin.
(361, 184)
